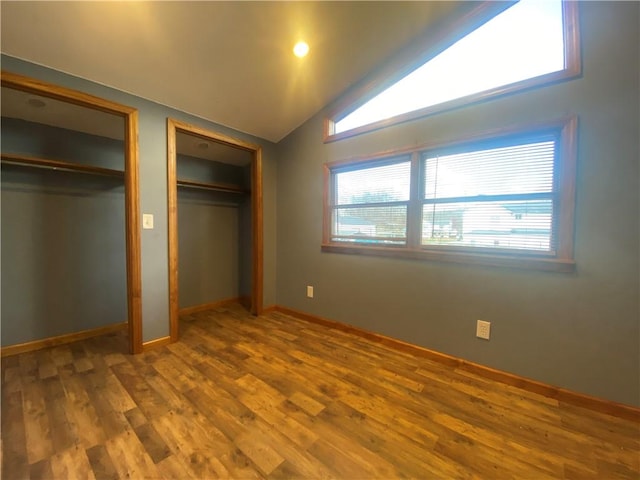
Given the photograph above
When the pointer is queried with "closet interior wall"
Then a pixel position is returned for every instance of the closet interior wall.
(214, 228)
(63, 248)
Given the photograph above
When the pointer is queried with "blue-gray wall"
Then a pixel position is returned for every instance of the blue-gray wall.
(153, 190)
(209, 249)
(579, 331)
(211, 256)
(28, 138)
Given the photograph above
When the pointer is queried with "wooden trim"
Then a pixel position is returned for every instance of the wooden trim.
(572, 52)
(269, 309)
(60, 339)
(258, 234)
(132, 194)
(208, 306)
(414, 206)
(158, 342)
(23, 160)
(172, 210)
(172, 198)
(220, 187)
(437, 40)
(397, 240)
(328, 128)
(543, 80)
(39, 87)
(400, 251)
(214, 136)
(533, 129)
(567, 187)
(327, 201)
(134, 234)
(600, 405)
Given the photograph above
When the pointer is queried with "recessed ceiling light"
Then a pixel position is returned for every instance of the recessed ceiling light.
(36, 103)
(301, 49)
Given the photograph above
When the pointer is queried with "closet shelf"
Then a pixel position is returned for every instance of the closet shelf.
(25, 161)
(218, 187)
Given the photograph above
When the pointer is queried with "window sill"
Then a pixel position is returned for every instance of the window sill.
(513, 261)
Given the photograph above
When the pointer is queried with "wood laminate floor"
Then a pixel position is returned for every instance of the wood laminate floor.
(276, 397)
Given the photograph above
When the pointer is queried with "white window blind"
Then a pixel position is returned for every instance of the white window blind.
(370, 203)
(491, 198)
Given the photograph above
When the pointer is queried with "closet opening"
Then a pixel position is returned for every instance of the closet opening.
(215, 221)
(70, 221)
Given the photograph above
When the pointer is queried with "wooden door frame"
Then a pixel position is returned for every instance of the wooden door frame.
(132, 193)
(173, 126)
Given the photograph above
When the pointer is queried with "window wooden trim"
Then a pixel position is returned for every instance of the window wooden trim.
(442, 39)
(564, 175)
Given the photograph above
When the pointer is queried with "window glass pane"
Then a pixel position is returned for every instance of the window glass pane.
(524, 41)
(387, 225)
(387, 183)
(519, 169)
(509, 224)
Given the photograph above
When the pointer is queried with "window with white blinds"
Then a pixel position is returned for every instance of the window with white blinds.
(491, 197)
(370, 203)
(503, 199)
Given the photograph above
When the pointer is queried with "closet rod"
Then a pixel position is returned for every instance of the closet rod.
(25, 161)
(220, 187)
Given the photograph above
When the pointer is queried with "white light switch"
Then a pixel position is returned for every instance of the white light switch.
(147, 221)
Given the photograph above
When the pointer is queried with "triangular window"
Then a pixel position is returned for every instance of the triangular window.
(532, 42)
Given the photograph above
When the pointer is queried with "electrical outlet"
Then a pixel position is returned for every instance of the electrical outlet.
(309, 291)
(483, 329)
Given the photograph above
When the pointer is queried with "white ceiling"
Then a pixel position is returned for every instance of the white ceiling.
(228, 62)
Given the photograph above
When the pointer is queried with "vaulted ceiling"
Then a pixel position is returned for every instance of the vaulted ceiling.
(228, 62)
